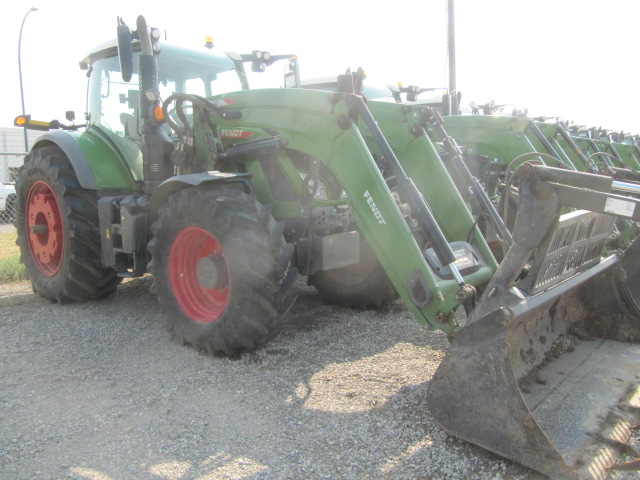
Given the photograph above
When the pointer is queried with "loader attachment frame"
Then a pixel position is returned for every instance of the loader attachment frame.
(578, 307)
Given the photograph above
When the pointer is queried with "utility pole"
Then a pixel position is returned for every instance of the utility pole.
(26, 140)
(451, 42)
(451, 39)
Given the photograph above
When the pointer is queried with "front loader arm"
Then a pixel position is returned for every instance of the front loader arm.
(323, 125)
(405, 128)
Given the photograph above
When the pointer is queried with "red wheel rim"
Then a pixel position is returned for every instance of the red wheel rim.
(45, 231)
(198, 298)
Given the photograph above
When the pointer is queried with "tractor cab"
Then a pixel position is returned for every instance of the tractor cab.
(113, 103)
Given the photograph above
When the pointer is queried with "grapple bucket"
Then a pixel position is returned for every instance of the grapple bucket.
(546, 371)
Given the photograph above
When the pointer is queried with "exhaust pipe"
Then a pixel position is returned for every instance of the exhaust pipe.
(157, 147)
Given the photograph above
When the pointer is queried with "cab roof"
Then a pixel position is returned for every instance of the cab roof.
(172, 56)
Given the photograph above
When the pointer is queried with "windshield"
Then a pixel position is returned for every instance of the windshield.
(113, 102)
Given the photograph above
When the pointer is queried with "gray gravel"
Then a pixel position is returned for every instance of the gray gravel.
(100, 391)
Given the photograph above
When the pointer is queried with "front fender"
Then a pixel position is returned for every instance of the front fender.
(180, 182)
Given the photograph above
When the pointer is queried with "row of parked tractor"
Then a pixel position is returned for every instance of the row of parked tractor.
(514, 236)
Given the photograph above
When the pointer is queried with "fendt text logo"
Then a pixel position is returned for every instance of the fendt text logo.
(374, 209)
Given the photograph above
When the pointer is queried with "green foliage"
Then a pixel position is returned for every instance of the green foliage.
(11, 269)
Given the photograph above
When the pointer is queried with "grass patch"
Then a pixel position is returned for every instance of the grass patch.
(11, 270)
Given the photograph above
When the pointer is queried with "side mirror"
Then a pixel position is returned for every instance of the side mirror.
(292, 77)
(290, 80)
(125, 52)
(258, 67)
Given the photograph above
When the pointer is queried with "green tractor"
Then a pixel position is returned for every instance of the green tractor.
(496, 145)
(226, 194)
(607, 148)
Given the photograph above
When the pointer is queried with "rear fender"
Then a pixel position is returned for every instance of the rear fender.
(99, 161)
(74, 153)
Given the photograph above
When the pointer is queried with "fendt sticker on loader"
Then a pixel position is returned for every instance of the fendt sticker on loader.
(374, 209)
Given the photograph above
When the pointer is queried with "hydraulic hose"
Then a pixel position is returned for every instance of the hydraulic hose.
(475, 186)
(608, 155)
(543, 140)
(567, 138)
(419, 206)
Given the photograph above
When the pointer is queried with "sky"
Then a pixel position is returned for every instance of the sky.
(573, 59)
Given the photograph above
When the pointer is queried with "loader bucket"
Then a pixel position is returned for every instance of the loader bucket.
(551, 381)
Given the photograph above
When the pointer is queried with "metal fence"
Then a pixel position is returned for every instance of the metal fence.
(10, 267)
(12, 152)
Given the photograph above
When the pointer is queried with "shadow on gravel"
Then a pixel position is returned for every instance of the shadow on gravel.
(100, 391)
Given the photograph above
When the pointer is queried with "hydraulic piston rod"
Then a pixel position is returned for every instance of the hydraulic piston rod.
(415, 199)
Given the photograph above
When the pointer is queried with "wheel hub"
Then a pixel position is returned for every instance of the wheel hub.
(45, 231)
(199, 275)
(212, 272)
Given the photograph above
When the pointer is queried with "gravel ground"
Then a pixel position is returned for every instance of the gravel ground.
(100, 391)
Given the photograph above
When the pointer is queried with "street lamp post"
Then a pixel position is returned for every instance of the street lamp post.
(26, 141)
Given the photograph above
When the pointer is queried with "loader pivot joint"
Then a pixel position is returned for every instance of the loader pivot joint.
(466, 293)
(468, 296)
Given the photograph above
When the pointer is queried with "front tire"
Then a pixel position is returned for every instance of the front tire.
(58, 230)
(222, 269)
(362, 285)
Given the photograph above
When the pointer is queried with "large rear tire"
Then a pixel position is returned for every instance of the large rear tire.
(362, 285)
(58, 230)
(222, 269)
